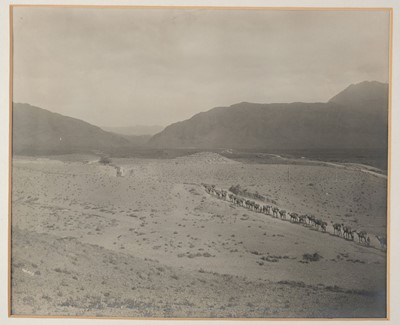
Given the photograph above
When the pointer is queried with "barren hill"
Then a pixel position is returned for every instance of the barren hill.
(39, 131)
(355, 118)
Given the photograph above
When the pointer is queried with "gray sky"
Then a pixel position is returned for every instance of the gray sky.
(122, 67)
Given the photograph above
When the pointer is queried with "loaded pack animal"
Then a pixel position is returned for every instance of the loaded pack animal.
(382, 241)
(241, 202)
(282, 213)
(294, 217)
(264, 209)
(362, 236)
(224, 194)
(348, 233)
(311, 220)
(323, 225)
(317, 223)
(220, 194)
(337, 229)
(302, 218)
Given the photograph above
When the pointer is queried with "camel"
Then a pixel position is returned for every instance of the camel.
(348, 233)
(345, 231)
(317, 223)
(240, 202)
(324, 225)
(337, 229)
(311, 220)
(294, 217)
(247, 203)
(362, 236)
(210, 189)
(302, 218)
(224, 194)
(382, 241)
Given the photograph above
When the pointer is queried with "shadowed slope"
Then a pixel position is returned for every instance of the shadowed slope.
(355, 118)
(38, 131)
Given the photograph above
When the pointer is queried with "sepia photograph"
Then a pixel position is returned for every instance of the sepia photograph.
(199, 162)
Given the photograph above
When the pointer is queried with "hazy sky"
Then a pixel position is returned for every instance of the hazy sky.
(122, 67)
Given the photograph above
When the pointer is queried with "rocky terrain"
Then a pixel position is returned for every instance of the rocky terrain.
(154, 243)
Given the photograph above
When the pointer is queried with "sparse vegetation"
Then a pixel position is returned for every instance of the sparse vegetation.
(248, 242)
(104, 160)
(238, 190)
(312, 257)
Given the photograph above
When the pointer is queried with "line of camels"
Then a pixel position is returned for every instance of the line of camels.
(340, 230)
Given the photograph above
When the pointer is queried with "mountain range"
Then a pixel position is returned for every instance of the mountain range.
(134, 130)
(357, 117)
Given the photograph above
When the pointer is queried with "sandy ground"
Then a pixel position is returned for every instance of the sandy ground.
(153, 243)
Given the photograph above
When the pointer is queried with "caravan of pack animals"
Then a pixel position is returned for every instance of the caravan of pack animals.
(303, 219)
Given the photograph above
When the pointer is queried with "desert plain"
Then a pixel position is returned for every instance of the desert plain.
(153, 243)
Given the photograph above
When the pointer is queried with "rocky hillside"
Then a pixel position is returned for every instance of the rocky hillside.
(39, 131)
(354, 118)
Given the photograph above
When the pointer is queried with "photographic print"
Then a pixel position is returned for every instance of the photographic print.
(199, 162)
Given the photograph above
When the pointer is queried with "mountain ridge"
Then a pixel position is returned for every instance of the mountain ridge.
(354, 118)
(40, 131)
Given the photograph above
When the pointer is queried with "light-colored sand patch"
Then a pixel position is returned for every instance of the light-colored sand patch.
(205, 158)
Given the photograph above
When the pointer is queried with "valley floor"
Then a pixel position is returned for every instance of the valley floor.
(153, 243)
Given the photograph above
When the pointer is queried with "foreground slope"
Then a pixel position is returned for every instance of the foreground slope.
(355, 118)
(154, 243)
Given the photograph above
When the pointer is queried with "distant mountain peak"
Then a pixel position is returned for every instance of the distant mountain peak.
(361, 92)
(243, 103)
